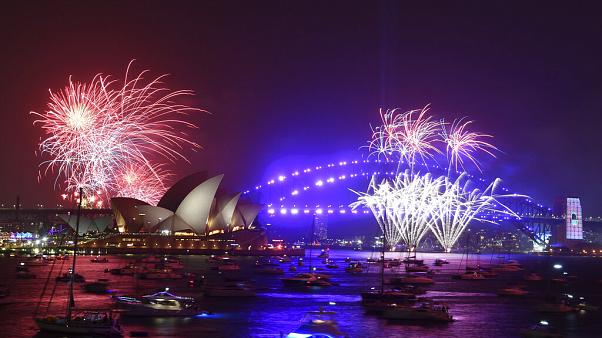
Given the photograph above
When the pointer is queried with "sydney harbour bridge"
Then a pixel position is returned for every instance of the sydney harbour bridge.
(328, 188)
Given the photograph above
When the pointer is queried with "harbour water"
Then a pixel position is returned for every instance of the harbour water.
(276, 310)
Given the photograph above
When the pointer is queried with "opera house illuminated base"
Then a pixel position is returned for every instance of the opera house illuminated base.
(193, 217)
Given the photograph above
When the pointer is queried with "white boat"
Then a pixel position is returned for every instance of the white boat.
(425, 311)
(318, 324)
(160, 304)
(91, 323)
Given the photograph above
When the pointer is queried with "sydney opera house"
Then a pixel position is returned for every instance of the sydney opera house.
(193, 216)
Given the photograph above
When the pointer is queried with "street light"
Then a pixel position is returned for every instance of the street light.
(557, 266)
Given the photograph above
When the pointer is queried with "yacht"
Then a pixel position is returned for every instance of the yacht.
(318, 324)
(426, 311)
(160, 304)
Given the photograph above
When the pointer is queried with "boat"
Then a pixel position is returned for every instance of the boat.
(533, 277)
(413, 260)
(323, 254)
(412, 279)
(99, 259)
(285, 259)
(125, 271)
(417, 268)
(160, 304)
(512, 291)
(318, 324)
(440, 262)
(21, 267)
(474, 275)
(229, 290)
(540, 330)
(36, 262)
(68, 276)
(388, 296)
(354, 268)
(292, 268)
(96, 287)
(424, 311)
(347, 259)
(332, 265)
(99, 323)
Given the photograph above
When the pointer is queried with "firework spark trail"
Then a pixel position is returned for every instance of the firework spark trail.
(93, 131)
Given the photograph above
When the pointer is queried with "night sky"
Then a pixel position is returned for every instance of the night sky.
(290, 80)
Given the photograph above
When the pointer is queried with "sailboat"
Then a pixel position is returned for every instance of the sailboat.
(86, 322)
(376, 300)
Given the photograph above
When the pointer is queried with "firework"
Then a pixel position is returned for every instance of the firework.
(411, 204)
(142, 182)
(457, 205)
(93, 131)
(403, 206)
(405, 135)
(463, 144)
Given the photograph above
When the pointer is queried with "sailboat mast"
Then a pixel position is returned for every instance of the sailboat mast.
(311, 242)
(71, 302)
(382, 269)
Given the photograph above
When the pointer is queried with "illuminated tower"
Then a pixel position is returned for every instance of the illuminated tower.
(570, 230)
(573, 219)
(320, 228)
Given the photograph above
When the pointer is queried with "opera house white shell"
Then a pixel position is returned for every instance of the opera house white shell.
(192, 204)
